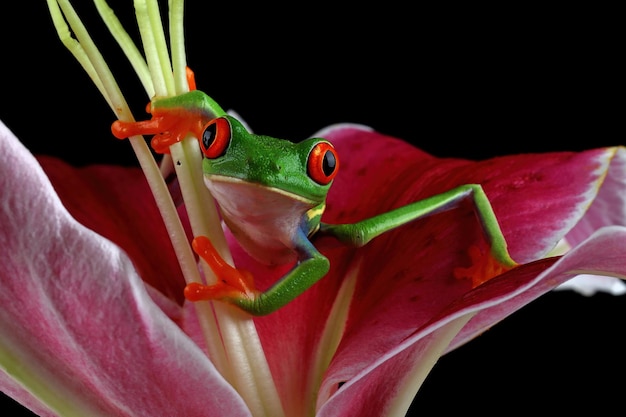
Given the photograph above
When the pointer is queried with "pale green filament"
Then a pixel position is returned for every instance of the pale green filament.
(127, 45)
(233, 344)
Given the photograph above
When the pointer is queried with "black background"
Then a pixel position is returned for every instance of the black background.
(472, 83)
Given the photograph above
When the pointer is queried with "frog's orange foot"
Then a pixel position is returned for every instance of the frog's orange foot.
(220, 291)
(484, 266)
(123, 130)
(161, 142)
(168, 128)
(169, 124)
(232, 283)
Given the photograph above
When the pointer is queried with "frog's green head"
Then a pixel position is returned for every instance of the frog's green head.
(304, 170)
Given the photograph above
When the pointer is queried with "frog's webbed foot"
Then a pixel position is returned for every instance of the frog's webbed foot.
(235, 285)
(169, 125)
(484, 265)
(172, 118)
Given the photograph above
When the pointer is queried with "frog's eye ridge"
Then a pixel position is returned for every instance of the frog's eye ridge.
(215, 137)
(323, 163)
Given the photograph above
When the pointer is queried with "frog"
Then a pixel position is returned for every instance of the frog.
(272, 194)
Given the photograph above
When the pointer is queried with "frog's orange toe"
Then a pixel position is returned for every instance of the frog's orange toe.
(123, 130)
(220, 291)
(198, 292)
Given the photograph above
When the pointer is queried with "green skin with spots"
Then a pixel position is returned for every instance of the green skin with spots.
(273, 206)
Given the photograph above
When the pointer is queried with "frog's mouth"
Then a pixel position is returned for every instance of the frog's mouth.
(252, 204)
(223, 187)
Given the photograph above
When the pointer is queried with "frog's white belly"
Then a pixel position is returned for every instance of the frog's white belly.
(264, 220)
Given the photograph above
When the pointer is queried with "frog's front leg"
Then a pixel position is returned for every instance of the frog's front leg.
(497, 258)
(173, 118)
(236, 285)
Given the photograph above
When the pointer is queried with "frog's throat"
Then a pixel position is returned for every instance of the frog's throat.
(216, 178)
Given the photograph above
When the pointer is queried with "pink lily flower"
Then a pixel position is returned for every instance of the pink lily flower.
(92, 321)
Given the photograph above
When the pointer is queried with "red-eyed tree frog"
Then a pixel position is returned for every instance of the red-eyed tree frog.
(271, 194)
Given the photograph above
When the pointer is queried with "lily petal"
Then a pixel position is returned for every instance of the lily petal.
(534, 195)
(112, 200)
(537, 198)
(609, 206)
(487, 304)
(78, 329)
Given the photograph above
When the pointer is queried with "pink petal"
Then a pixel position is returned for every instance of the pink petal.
(609, 206)
(498, 298)
(405, 278)
(76, 318)
(538, 198)
(407, 275)
(112, 201)
(601, 254)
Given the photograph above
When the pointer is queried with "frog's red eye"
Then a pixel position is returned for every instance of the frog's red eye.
(323, 163)
(215, 137)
